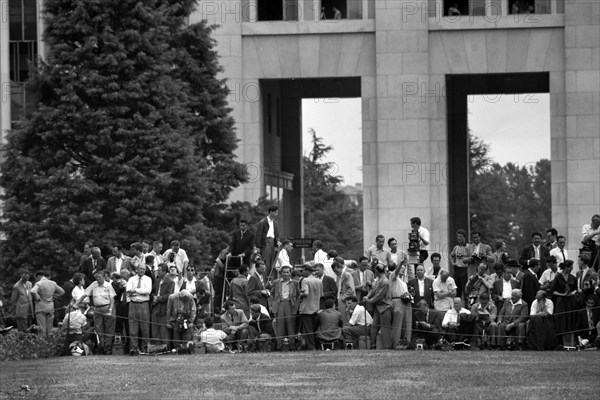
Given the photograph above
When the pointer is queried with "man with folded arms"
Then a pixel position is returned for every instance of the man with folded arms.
(103, 298)
(138, 292)
(540, 329)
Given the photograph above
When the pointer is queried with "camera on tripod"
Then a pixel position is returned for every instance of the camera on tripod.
(413, 242)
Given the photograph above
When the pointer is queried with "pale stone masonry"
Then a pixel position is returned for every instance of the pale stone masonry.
(402, 54)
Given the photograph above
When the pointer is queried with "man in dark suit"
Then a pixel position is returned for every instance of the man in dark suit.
(256, 285)
(530, 284)
(421, 288)
(363, 278)
(91, 265)
(118, 260)
(285, 306)
(502, 289)
(512, 320)
(428, 323)
(242, 242)
(479, 252)
(267, 238)
(329, 285)
(588, 322)
(163, 287)
(535, 251)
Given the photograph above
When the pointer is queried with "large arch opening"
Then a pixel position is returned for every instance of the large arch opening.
(283, 137)
(460, 90)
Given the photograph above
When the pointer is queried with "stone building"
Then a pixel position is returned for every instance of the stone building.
(413, 65)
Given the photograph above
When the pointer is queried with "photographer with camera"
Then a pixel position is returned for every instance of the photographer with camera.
(478, 253)
(181, 314)
(458, 255)
(591, 241)
(176, 256)
(478, 284)
(418, 236)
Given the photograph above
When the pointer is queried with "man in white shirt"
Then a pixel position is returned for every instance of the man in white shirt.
(176, 256)
(549, 274)
(423, 236)
(401, 310)
(103, 297)
(320, 254)
(212, 338)
(591, 239)
(359, 322)
(138, 292)
(559, 251)
(400, 260)
(283, 258)
(156, 252)
(540, 328)
(444, 290)
(457, 322)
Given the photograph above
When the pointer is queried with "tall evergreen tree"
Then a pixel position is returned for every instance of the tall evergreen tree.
(130, 136)
(329, 214)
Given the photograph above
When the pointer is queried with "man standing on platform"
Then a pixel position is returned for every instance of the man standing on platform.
(242, 242)
(559, 251)
(267, 238)
(535, 251)
(477, 253)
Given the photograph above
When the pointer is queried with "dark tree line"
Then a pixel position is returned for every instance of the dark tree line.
(329, 213)
(128, 137)
(508, 202)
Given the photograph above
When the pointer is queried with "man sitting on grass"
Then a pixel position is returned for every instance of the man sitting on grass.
(458, 323)
(359, 324)
(236, 325)
(260, 327)
(512, 320)
(212, 338)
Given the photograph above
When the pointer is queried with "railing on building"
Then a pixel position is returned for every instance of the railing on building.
(306, 10)
(494, 8)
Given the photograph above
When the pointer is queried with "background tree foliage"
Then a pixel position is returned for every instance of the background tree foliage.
(508, 202)
(329, 215)
(129, 137)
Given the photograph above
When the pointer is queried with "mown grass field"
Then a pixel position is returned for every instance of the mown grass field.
(310, 375)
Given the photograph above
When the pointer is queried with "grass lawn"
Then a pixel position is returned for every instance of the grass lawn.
(310, 375)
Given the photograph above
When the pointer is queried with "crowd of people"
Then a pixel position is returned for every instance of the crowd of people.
(151, 300)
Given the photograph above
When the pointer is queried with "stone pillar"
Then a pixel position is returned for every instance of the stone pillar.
(406, 164)
(582, 154)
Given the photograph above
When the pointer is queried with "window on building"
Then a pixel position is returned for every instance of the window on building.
(23, 49)
(530, 6)
(277, 10)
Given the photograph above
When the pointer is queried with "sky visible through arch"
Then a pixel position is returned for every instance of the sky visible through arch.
(516, 127)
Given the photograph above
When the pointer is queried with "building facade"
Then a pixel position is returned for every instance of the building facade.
(413, 65)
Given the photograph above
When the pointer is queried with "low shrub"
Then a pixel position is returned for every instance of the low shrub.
(24, 346)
